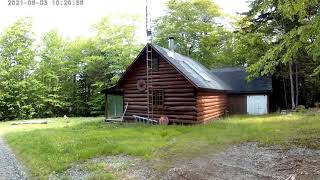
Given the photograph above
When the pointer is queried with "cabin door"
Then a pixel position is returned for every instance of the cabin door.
(257, 104)
(115, 106)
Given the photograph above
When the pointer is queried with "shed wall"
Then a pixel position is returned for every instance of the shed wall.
(237, 104)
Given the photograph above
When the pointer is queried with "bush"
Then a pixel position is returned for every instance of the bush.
(301, 109)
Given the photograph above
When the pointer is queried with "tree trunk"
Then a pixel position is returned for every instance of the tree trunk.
(285, 93)
(291, 86)
(297, 85)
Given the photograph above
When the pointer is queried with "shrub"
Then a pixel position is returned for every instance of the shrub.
(301, 108)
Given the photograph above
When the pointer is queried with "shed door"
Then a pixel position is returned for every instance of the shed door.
(257, 104)
(115, 106)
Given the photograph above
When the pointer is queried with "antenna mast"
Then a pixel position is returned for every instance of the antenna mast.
(148, 22)
(149, 54)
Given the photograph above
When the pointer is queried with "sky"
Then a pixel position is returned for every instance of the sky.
(72, 21)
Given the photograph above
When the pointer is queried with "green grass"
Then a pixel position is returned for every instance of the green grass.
(55, 146)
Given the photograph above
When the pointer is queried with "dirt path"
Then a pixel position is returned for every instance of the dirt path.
(10, 167)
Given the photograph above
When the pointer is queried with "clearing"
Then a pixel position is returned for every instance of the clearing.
(247, 147)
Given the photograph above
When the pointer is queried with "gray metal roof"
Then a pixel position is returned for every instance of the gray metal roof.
(236, 78)
(195, 72)
(232, 80)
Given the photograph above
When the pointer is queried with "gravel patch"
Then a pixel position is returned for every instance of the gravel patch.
(249, 161)
(121, 166)
(127, 167)
(76, 172)
(10, 167)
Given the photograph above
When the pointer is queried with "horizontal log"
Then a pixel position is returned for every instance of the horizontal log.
(128, 95)
(133, 103)
(163, 63)
(160, 86)
(204, 101)
(179, 99)
(194, 113)
(163, 113)
(139, 111)
(209, 119)
(133, 91)
(210, 97)
(183, 121)
(210, 111)
(157, 116)
(211, 103)
(177, 82)
(144, 99)
(191, 117)
(154, 76)
(188, 90)
(30, 122)
(135, 107)
(180, 108)
(160, 69)
(170, 79)
(160, 83)
(201, 109)
(212, 115)
(158, 73)
(179, 95)
(200, 105)
(171, 86)
(200, 93)
(168, 92)
(180, 103)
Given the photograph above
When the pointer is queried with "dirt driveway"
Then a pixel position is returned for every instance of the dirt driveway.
(245, 161)
(249, 161)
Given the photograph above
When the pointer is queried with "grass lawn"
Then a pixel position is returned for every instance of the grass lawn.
(55, 146)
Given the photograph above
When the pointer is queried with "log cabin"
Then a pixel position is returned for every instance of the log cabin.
(161, 83)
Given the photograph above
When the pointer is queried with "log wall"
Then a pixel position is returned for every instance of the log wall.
(210, 105)
(179, 93)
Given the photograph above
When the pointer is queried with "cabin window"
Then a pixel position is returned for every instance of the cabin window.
(157, 98)
(154, 65)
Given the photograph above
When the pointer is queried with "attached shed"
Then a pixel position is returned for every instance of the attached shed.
(245, 97)
(169, 85)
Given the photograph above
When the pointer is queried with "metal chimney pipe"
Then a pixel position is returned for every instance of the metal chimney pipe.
(171, 43)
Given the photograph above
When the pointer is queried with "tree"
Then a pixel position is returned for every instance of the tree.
(52, 74)
(115, 49)
(18, 88)
(288, 28)
(96, 63)
(195, 29)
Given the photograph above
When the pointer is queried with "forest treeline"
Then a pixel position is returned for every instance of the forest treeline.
(53, 76)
